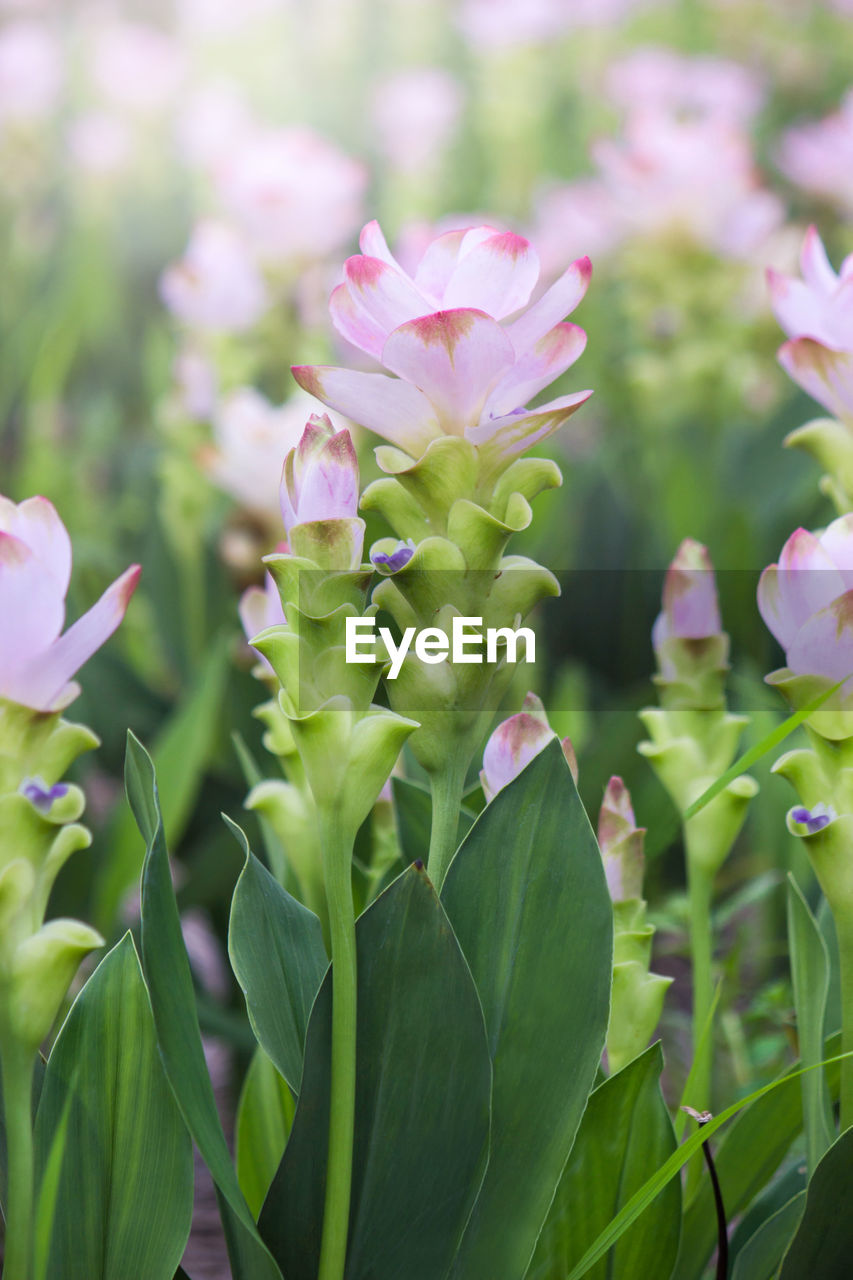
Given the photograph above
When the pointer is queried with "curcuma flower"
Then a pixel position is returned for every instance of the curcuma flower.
(806, 600)
(463, 367)
(36, 662)
(817, 314)
(621, 843)
(514, 744)
(319, 489)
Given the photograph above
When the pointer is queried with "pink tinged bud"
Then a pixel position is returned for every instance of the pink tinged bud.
(806, 600)
(621, 843)
(690, 607)
(37, 663)
(320, 477)
(514, 744)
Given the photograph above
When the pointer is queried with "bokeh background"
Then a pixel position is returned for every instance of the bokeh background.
(180, 183)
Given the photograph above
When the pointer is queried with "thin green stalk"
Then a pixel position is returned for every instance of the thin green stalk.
(17, 1066)
(447, 787)
(699, 894)
(845, 953)
(337, 856)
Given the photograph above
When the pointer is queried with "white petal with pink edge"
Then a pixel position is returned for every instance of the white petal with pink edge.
(388, 297)
(373, 243)
(437, 265)
(501, 438)
(826, 375)
(32, 609)
(816, 267)
(497, 275)
(824, 645)
(36, 522)
(356, 324)
(393, 409)
(554, 305)
(782, 623)
(455, 357)
(45, 677)
(535, 370)
(808, 578)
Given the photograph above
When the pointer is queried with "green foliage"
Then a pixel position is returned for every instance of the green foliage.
(277, 953)
(167, 973)
(528, 901)
(264, 1117)
(823, 1245)
(422, 1102)
(625, 1135)
(810, 973)
(122, 1199)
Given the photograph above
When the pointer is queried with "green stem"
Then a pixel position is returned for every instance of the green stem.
(17, 1067)
(845, 953)
(447, 787)
(699, 894)
(337, 854)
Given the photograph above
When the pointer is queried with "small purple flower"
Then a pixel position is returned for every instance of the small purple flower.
(396, 559)
(40, 795)
(814, 819)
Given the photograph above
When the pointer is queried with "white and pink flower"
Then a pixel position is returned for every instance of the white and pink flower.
(818, 156)
(37, 662)
(621, 843)
(216, 287)
(817, 314)
(30, 71)
(514, 744)
(806, 600)
(467, 350)
(691, 610)
(320, 477)
(295, 196)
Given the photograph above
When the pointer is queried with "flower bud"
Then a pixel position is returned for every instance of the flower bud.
(319, 497)
(621, 843)
(514, 744)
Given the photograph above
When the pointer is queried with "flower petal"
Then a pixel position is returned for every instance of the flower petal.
(778, 619)
(501, 438)
(800, 310)
(45, 676)
(393, 409)
(826, 375)
(816, 267)
(32, 609)
(497, 275)
(373, 243)
(438, 263)
(454, 357)
(554, 305)
(36, 522)
(539, 367)
(824, 646)
(355, 324)
(808, 578)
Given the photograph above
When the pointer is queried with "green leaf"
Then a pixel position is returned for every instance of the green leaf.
(810, 974)
(264, 1119)
(652, 1188)
(527, 898)
(625, 1135)
(697, 1064)
(125, 1189)
(760, 749)
(48, 1194)
(422, 1102)
(760, 1257)
(278, 957)
(823, 1245)
(746, 1159)
(181, 755)
(167, 972)
(413, 810)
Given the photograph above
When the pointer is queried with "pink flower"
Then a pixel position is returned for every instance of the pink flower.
(259, 608)
(99, 143)
(621, 843)
(320, 477)
(661, 79)
(819, 306)
(690, 607)
(817, 314)
(294, 194)
(806, 600)
(460, 370)
(214, 122)
(819, 156)
(253, 437)
(196, 382)
(693, 177)
(137, 66)
(36, 662)
(414, 113)
(514, 744)
(30, 71)
(216, 286)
